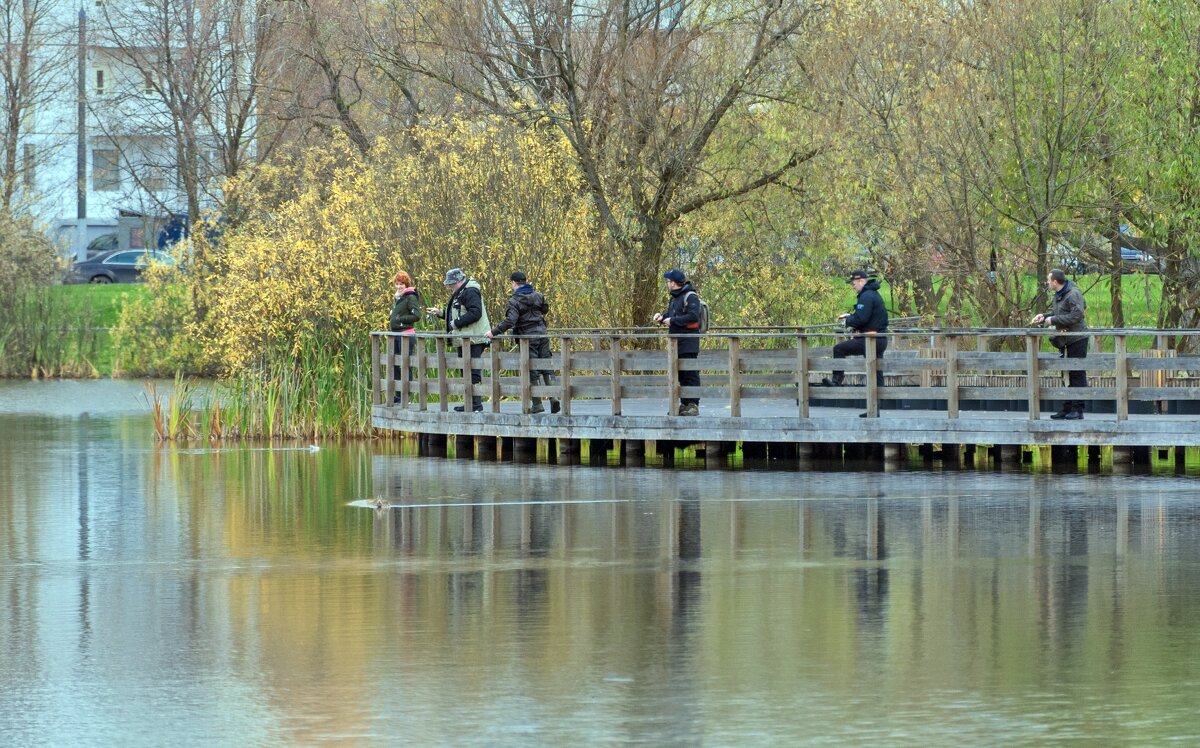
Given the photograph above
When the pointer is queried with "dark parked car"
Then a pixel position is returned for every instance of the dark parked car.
(101, 244)
(120, 266)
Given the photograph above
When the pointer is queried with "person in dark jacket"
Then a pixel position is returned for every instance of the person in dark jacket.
(1067, 314)
(526, 315)
(466, 315)
(406, 312)
(868, 318)
(682, 318)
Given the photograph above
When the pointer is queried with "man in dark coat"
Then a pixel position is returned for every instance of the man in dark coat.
(466, 315)
(868, 318)
(682, 318)
(526, 315)
(1067, 314)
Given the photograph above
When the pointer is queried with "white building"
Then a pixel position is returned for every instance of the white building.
(146, 87)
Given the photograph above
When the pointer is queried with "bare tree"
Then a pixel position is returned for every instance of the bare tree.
(188, 79)
(32, 63)
(651, 95)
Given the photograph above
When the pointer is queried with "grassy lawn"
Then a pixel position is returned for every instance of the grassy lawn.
(98, 306)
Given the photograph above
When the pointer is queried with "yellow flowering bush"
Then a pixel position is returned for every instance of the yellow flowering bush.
(320, 236)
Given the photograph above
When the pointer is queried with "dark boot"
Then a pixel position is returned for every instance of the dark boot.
(536, 406)
(554, 406)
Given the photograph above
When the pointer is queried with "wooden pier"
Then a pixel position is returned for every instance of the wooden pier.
(953, 389)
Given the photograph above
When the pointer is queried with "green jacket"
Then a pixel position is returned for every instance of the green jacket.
(406, 311)
(466, 313)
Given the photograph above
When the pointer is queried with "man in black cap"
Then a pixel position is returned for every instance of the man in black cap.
(868, 318)
(526, 316)
(682, 318)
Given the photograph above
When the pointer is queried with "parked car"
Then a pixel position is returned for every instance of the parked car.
(1138, 261)
(118, 266)
(101, 244)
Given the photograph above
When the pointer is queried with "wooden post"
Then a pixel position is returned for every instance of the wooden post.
(389, 394)
(802, 375)
(672, 376)
(1034, 374)
(468, 362)
(872, 354)
(735, 378)
(495, 377)
(951, 377)
(376, 395)
(406, 363)
(524, 368)
(443, 384)
(615, 348)
(565, 379)
(422, 376)
(1122, 377)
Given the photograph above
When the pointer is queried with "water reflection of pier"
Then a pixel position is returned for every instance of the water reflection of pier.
(809, 582)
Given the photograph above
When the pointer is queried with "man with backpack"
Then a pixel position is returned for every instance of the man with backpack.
(526, 316)
(686, 317)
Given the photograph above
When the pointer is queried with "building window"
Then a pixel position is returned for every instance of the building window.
(29, 165)
(105, 174)
(99, 81)
(153, 179)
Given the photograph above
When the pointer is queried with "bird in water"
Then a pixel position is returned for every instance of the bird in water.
(379, 504)
(313, 448)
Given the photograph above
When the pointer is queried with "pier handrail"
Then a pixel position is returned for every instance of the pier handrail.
(951, 367)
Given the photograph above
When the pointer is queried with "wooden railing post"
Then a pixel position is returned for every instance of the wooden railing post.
(802, 375)
(1121, 373)
(872, 375)
(1033, 374)
(615, 344)
(951, 377)
(526, 396)
(468, 363)
(672, 376)
(406, 363)
(735, 377)
(495, 378)
(422, 376)
(565, 378)
(443, 385)
(390, 377)
(376, 396)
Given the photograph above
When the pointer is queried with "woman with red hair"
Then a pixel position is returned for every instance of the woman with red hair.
(406, 312)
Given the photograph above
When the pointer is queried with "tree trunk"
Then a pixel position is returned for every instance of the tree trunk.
(648, 295)
(1115, 275)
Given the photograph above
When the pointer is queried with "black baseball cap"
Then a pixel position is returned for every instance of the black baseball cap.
(859, 274)
(517, 276)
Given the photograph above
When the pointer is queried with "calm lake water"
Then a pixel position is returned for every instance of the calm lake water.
(250, 596)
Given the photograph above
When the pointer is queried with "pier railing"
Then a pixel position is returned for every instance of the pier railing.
(951, 368)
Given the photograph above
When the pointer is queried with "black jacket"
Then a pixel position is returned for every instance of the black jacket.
(526, 313)
(470, 303)
(1067, 314)
(406, 311)
(869, 315)
(684, 310)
